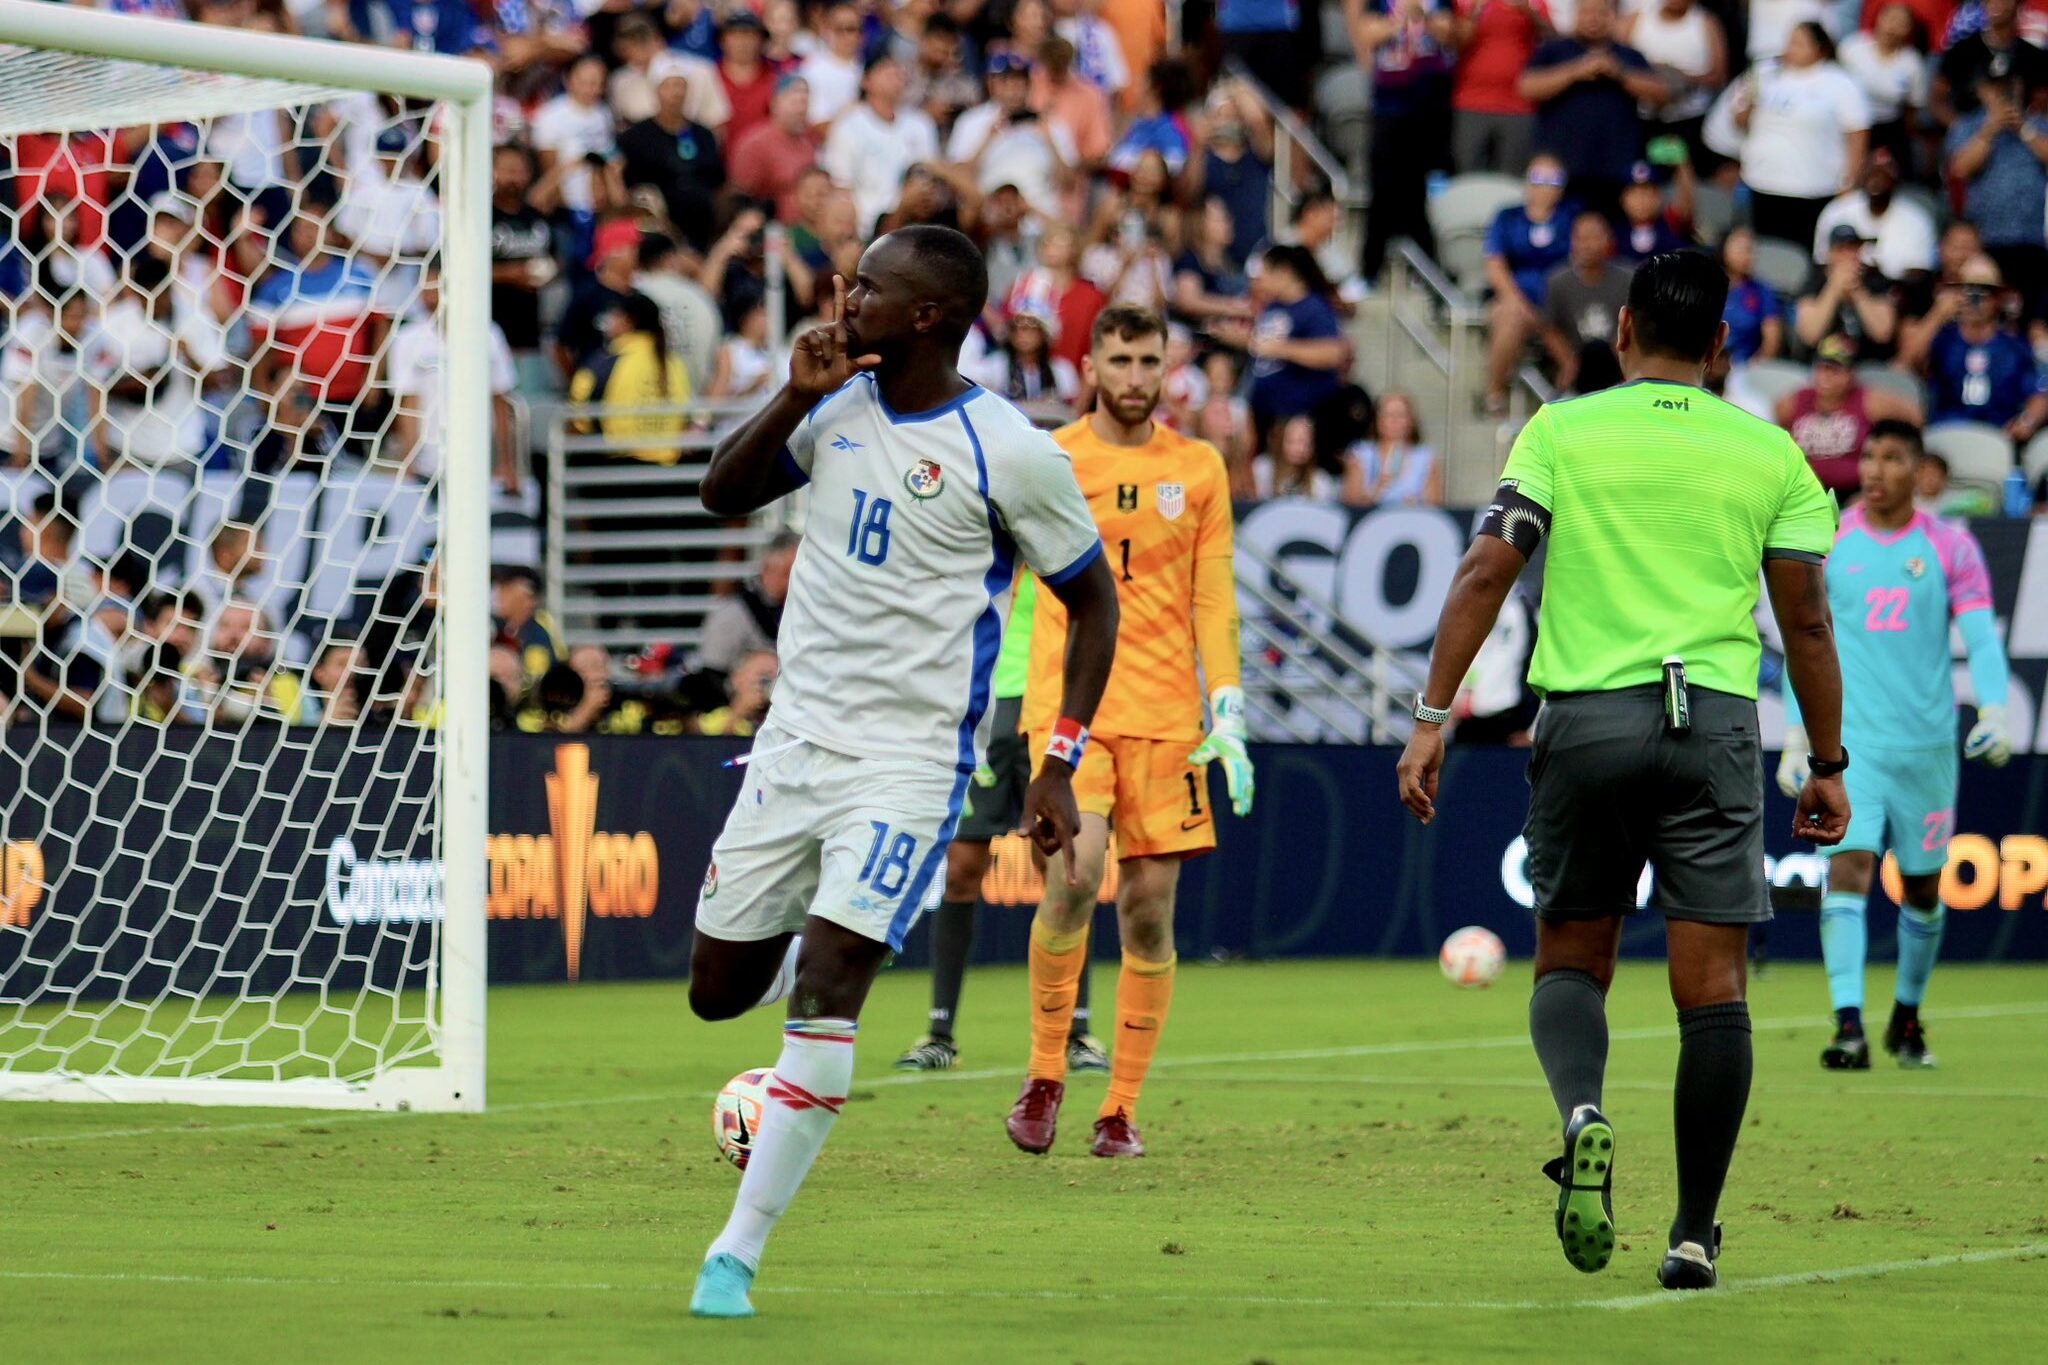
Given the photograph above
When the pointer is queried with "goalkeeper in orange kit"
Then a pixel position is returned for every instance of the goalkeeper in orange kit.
(1162, 502)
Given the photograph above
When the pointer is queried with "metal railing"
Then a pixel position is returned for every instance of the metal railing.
(1312, 674)
(1296, 152)
(632, 556)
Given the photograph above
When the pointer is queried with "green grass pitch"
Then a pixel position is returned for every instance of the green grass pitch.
(1345, 1167)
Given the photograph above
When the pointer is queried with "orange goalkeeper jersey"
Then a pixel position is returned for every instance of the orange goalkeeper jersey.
(1164, 512)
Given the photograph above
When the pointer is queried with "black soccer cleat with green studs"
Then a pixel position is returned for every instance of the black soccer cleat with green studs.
(1585, 1196)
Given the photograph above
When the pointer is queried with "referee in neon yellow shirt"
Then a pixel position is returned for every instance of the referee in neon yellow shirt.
(1660, 503)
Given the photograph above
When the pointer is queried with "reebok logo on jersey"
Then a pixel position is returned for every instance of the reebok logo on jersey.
(925, 480)
(846, 445)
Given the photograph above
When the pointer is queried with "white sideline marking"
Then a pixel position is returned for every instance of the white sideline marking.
(1622, 1304)
(2016, 1009)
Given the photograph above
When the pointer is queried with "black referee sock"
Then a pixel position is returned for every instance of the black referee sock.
(1568, 1025)
(1714, 1064)
(952, 940)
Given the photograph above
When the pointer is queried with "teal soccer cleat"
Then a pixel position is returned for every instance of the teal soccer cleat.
(722, 1287)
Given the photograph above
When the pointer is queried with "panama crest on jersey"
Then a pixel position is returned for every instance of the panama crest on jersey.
(925, 480)
(1173, 500)
(710, 881)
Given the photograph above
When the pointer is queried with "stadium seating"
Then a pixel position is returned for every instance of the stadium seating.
(1885, 379)
(1771, 380)
(1977, 452)
(1784, 266)
(2035, 460)
(1460, 214)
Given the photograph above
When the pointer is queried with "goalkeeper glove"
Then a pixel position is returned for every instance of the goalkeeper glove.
(1226, 745)
(1792, 771)
(1989, 739)
(984, 775)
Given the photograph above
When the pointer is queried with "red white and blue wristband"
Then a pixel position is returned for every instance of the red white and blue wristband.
(1069, 741)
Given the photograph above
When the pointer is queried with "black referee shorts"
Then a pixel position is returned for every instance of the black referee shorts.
(1610, 790)
(992, 812)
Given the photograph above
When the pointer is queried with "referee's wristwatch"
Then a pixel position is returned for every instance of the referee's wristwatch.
(1821, 767)
(1429, 715)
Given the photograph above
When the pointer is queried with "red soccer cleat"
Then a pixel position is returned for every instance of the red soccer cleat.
(1114, 1136)
(1035, 1117)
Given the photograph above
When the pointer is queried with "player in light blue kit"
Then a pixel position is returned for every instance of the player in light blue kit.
(1895, 580)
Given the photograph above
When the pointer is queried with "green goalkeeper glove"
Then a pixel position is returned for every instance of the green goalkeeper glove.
(1225, 744)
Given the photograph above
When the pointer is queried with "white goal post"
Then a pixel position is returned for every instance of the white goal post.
(243, 644)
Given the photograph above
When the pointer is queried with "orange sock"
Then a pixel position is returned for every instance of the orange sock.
(1056, 962)
(1144, 990)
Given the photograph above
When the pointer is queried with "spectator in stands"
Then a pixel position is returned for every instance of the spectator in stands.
(55, 379)
(1888, 64)
(522, 245)
(57, 679)
(296, 430)
(172, 618)
(239, 678)
(520, 625)
(1265, 35)
(1235, 166)
(635, 370)
(314, 317)
(1024, 369)
(748, 689)
(1493, 126)
(1525, 243)
(747, 79)
(1849, 297)
(1056, 284)
(935, 78)
(1933, 493)
(234, 562)
(573, 698)
(644, 59)
(614, 256)
(1161, 126)
(332, 683)
(1098, 55)
(162, 355)
(1225, 421)
(1899, 232)
(1997, 153)
(1406, 44)
(1184, 388)
(1686, 47)
(873, 145)
(414, 378)
(833, 70)
(679, 158)
(1067, 101)
(769, 160)
(1772, 23)
(747, 621)
(63, 242)
(1996, 50)
(1395, 468)
(1831, 417)
(158, 690)
(788, 40)
(1581, 302)
(746, 368)
(1144, 204)
(1006, 142)
(1586, 89)
(1006, 230)
(1977, 370)
(1297, 346)
(1647, 224)
(574, 131)
(1289, 469)
(1754, 313)
(1135, 265)
(1317, 218)
(1804, 129)
(391, 217)
(47, 535)
(1208, 282)
(735, 272)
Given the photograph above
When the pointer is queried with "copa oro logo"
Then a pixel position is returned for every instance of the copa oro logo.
(1980, 871)
(21, 882)
(1015, 879)
(575, 870)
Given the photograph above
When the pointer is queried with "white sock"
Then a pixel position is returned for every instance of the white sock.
(785, 975)
(810, 1084)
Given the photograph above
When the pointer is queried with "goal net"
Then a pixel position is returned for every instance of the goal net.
(243, 560)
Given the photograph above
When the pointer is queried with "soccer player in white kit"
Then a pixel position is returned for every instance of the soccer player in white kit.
(925, 491)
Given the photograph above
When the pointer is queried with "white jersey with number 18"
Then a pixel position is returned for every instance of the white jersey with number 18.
(901, 587)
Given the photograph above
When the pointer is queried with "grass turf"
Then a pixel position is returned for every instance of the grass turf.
(1344, 1166)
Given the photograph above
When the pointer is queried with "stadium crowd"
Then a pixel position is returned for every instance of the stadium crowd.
(256, 295)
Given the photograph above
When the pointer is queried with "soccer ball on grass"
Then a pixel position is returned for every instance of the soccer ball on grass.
(1473, 956)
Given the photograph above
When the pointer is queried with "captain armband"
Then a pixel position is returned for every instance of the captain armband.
(1515, 518)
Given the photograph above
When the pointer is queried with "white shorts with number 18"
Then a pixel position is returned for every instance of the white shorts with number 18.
(857, 841)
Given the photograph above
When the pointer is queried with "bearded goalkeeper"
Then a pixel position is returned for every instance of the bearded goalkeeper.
(1162, 503)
